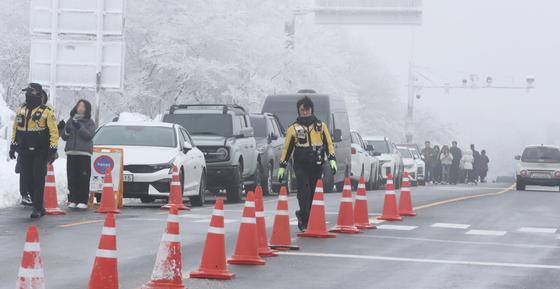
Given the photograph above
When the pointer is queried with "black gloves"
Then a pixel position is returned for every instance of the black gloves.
(52, 155)
(61, 125)
(12, 152)
(76, 124)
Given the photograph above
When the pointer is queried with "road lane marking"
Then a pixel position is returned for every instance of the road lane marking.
(537, 230)
(421, 260)
(79, 223)
(486, 233)
(450, 226)
(444, 202)
(226, 221)
(397, 227)
(376, 221)
(520, 245)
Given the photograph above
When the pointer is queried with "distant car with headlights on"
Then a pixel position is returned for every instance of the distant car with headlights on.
(390, 159)
(150, 150)
(269, 135)
(538, 165)
(409, 165)
(363, 163)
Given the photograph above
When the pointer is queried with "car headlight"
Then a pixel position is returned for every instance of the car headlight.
(159, 167)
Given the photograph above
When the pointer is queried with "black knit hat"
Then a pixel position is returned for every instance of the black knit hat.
(34, 86)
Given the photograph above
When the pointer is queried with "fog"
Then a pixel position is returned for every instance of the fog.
(503, 39)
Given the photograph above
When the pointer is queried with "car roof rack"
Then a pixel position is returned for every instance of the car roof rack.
(225, 107)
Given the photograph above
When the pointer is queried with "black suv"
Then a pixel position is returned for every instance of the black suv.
(225, 135)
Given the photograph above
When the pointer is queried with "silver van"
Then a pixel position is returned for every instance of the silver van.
(332, 111)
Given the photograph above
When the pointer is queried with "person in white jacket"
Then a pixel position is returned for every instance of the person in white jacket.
(468, 165)
(446, 159)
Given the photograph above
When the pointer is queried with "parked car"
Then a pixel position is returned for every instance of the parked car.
(390, 159)
(538, 165)
(269, 135)
(225, 135)
(332, 111)
(409, 165)
(420, 167)
(151, 149)
(363, 164)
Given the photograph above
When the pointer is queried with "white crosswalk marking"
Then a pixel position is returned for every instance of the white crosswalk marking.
(375, 221)
(450, 226)
(396, 227)
(486, 232)
(537, 230)
(226, 221)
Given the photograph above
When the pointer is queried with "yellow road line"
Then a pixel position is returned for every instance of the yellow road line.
(439, 203)
(79, 223)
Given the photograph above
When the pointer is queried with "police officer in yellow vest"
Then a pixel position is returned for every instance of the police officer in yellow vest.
(310, 141)
(35, 139)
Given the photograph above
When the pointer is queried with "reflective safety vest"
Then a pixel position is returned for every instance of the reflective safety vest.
(35, 129)
(309, 144)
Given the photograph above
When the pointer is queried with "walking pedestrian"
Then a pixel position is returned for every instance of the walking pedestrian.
(446, 160)
(477, 164)
(310, 142)
(35, 140)
(467, 163)
(78, 134)
(457, 154)
(436, 164)
(427, 156)
(484, 160)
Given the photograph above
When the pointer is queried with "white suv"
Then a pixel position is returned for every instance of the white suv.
(538, 165)
(363, 164)
(389, 158)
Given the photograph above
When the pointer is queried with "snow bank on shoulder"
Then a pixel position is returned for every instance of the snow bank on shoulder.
(133, 116)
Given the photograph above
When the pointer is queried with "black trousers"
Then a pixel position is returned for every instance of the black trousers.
(34, 170)
(78, 171)
(454, 173)
(306, 176)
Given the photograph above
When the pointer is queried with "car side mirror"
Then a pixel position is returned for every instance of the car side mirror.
(370, 148)
(246, 132)
(337, 135)
(187, 146)
(518, 157)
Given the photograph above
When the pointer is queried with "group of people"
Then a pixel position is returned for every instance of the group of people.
(35, 135)
(451, 165)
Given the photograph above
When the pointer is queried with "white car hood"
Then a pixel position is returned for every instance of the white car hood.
(142, 155)
(386, 157)
(408, 162)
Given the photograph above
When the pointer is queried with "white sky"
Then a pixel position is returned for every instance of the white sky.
(506, 39)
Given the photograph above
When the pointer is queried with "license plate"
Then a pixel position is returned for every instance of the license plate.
(129, 178)
(541, 176)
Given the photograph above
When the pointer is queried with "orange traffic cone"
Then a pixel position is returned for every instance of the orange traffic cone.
(405, 203)
(361, 215)
(49, 197)
(108, 203)
(30, 275)
(167, 273)
(281, 238)
(390, 212)
(316, 227)
(247, 246)
(264, 247)
(175, 192)
(213, 264)
(345, 221)
(105, 273)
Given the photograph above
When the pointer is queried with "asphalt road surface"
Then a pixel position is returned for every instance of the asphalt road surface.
(485, 236)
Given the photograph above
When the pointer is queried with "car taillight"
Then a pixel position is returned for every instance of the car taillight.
(353, 151)
(557, 174)
(524, 173)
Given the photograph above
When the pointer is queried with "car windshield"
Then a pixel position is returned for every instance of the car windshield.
(415, 154)
(259, 125)
(379, 146)
(153, 136)
(203, 123)
(541, 155)
(405, 153)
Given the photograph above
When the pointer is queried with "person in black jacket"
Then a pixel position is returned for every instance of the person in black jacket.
(455, 170)
(78, 133)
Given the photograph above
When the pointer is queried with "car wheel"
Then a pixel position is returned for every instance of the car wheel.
(234, 190)
(520, 186)
(98, 198)
(147, 200)
(268, 188)
(198, 201)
